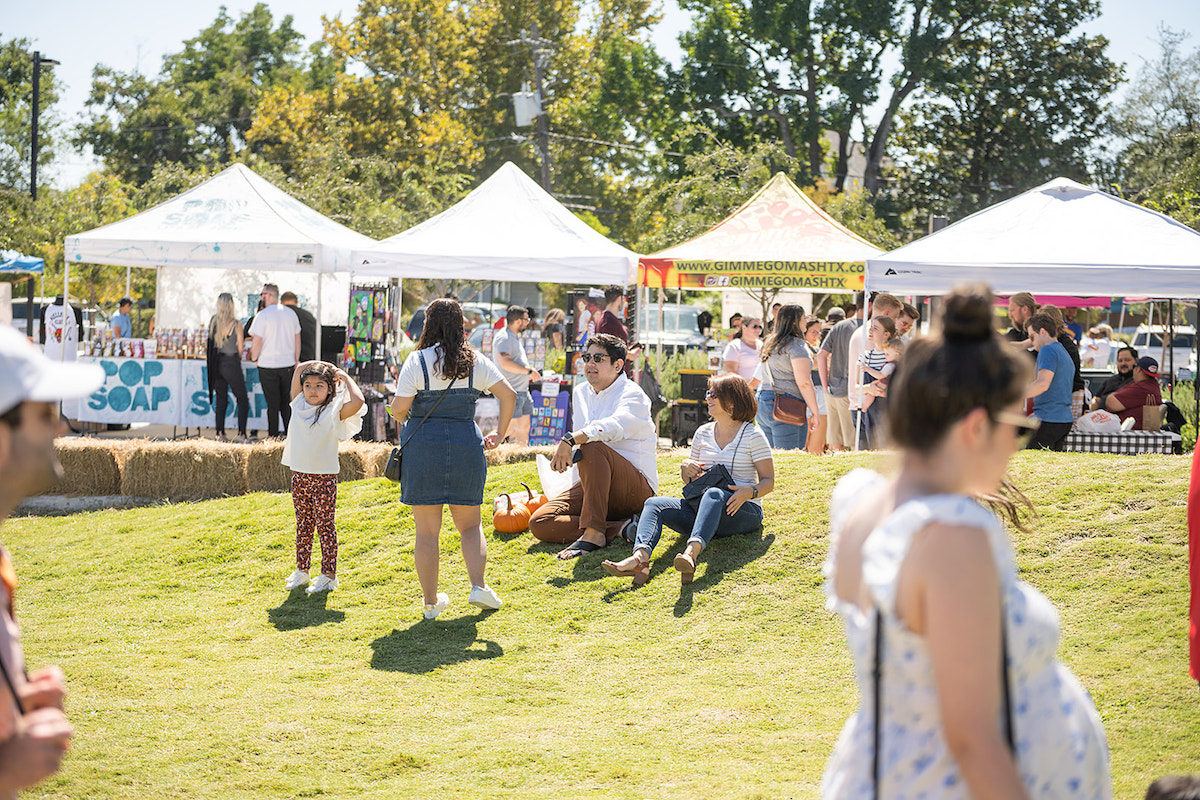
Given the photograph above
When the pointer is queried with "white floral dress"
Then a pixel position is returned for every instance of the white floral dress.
(1061, 749)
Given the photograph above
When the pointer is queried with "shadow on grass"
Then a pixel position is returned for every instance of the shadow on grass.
(585, 567)
(300, 610)
(431, 644)
(723, 556)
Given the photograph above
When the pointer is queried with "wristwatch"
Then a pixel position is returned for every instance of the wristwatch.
(569, 439)
(755, 493)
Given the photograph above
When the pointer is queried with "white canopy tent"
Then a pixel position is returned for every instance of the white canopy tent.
(1059, 238)
(507, 229)
(235, 220)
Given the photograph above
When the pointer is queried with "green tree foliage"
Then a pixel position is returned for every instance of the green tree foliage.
(791, 71)
(200, 107)
(1157, 127)
(16, 93)
(1019, 102)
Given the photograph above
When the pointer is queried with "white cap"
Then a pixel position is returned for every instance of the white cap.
(26, 374)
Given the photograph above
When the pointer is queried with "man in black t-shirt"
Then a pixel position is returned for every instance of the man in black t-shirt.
(1021, 306)
(1126, 360)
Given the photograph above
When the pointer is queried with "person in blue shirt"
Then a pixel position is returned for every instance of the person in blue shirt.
(121, 324)
(1051, 388)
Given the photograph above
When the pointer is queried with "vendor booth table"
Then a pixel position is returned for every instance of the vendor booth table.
(1127, 443)
(162, 392)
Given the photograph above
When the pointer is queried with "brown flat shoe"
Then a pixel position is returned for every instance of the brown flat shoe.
(686, 567)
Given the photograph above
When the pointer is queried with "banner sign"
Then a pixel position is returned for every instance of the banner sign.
(197, 412)
(840, 277)
(134, 390)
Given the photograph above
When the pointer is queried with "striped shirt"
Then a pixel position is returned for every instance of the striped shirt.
(747, 446)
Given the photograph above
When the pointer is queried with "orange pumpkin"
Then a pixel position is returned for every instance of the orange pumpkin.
(534, 501)
(513, 519)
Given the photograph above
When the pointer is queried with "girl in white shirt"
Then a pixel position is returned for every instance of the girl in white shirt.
(327, 407)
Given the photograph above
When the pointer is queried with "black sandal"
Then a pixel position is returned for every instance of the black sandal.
(578, 548)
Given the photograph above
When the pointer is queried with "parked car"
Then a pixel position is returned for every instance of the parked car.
(680, 329)
(1148, 341)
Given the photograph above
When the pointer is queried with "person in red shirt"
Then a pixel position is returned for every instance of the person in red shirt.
(614, 312)
(1128, 401)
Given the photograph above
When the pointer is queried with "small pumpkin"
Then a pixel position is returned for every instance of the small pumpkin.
(513, 519)
(534, 501)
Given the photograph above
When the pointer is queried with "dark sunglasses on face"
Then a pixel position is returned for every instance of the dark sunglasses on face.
(588, 358)
(758, 327)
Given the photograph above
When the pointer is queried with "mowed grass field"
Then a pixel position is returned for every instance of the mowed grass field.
(192, 673)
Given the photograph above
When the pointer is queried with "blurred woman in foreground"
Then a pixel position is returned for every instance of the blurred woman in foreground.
(952, 652)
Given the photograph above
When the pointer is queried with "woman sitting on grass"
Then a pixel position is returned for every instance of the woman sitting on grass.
(951, 650)
(730, 441)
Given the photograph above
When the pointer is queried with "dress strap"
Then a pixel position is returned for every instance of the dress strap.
(424, 369)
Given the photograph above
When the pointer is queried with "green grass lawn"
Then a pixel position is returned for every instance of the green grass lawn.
(192, 673)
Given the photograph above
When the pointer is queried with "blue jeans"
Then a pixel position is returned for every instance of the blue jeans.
(779, 434)
(709, 520)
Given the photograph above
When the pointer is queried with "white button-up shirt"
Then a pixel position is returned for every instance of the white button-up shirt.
(619, 416)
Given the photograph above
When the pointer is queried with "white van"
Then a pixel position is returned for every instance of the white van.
(1148, 341)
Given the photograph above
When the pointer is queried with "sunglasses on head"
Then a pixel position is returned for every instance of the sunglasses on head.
(589, 358)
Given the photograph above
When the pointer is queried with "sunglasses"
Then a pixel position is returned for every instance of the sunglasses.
(589, 358)
(1026, 426)
(753, 327)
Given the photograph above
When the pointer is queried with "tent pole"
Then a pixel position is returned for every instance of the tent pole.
(861, 394)
(658, 358)
(319, 337)
(127, 271)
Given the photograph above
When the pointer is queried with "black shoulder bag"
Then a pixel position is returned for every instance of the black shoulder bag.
(717, 475)
(392, 470)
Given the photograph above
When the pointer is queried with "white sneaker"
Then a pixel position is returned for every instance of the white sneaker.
(323, 583)
(296, 580)
(432, 610)
(485, 597)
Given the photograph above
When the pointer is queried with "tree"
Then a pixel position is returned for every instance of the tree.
(1157, 130)
(1020, 102)
(16, 94)
(791, 71)
(199, 109)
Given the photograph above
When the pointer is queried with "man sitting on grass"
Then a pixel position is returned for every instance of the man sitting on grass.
(34, 732)
(616, 441)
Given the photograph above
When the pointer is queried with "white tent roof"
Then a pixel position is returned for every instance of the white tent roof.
(234, 220)
(508, 229)
(1060, 238)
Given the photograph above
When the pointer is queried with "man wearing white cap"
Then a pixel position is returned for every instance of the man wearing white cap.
(34, 732)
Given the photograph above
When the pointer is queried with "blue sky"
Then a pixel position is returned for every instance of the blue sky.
(136, 34)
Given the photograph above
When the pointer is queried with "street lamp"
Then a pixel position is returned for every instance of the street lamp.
(38, 63)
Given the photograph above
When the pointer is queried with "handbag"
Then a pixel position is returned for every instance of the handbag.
(392, 470)
(717, 476)
(789, 410)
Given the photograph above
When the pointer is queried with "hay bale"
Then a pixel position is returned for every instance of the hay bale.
(196, 469)
(515, 453)
(374, 456)
(91, 467)
(265, 471)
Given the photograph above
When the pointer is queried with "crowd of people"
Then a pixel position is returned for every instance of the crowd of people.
(961, 695)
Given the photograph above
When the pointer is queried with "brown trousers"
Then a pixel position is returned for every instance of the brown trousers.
(610, 491)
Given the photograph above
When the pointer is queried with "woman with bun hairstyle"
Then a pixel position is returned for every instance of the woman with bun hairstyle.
(443, 463)
(954, 655)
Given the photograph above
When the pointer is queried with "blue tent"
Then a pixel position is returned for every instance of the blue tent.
(12, 261)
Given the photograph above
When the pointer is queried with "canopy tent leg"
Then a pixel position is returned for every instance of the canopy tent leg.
(319, 337)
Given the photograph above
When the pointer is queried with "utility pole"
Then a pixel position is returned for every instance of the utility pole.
(38, 63)
(541, 57)
(541, 50)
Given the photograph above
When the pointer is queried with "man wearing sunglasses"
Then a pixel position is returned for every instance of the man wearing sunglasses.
(34, 732)
(613, 446)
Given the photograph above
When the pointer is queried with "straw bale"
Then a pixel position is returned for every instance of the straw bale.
(91, 467)
(515, 453)
(265, 471)
(195, 469)
(369, 459)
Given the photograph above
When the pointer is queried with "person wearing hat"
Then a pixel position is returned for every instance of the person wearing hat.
(34, 731)
(1143, 390)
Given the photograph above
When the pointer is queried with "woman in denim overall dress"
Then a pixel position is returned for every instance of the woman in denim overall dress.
(443, 463)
